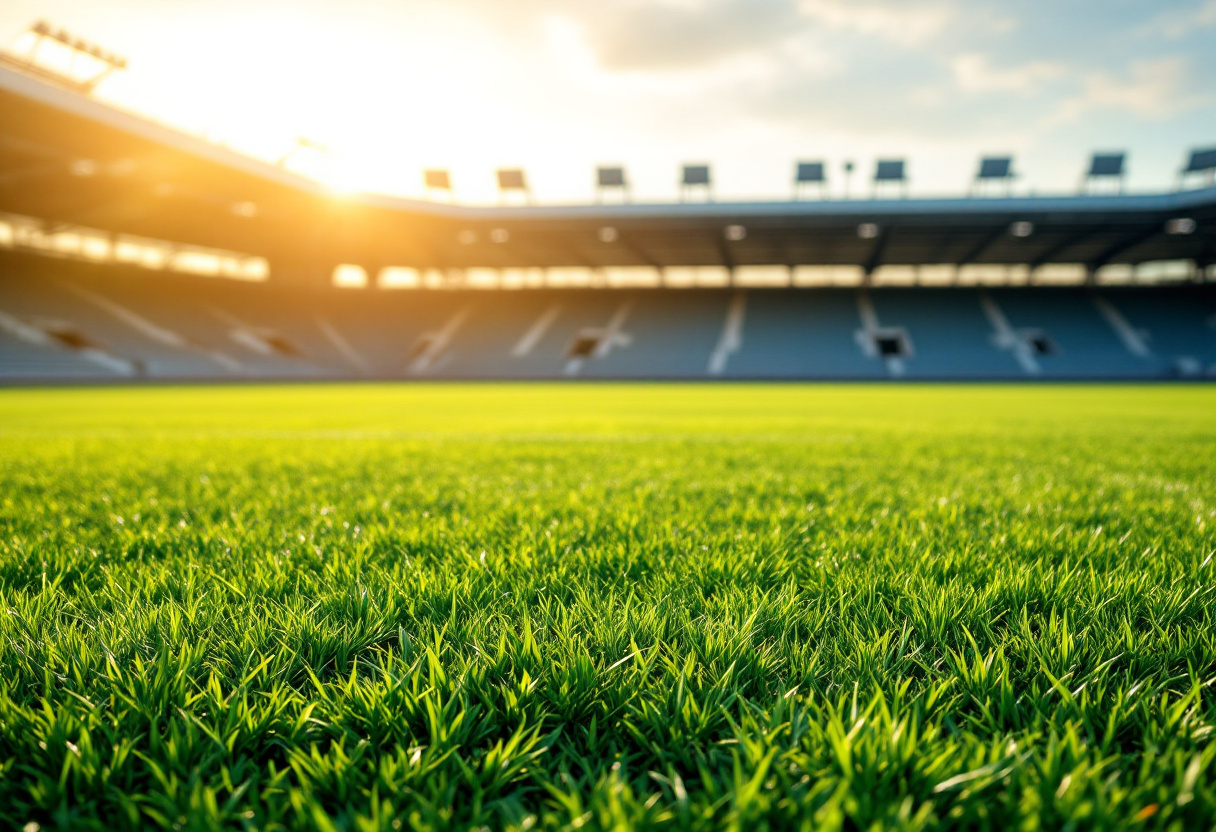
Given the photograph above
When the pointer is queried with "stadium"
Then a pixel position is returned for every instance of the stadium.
(258, 574)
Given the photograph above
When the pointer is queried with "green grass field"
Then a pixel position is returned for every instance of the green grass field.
(546, 607)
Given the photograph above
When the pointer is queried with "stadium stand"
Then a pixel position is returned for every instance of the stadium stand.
(108, 221)
(61, 320)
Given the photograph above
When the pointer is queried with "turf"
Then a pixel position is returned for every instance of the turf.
(446, 606)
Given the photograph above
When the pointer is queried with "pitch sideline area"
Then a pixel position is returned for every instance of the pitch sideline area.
(547, 606)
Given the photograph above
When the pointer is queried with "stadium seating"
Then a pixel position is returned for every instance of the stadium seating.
(62, 320)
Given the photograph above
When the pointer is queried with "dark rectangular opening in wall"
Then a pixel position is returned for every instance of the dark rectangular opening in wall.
(281, 345)
(70, 338)
(583, 346)
(265, 342)
(421, 347)
(1041, 344)
(891, 345)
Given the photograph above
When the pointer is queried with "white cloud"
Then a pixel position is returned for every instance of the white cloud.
(974, 72)
(1153, 89)
(747, 84)
(1177, 23)
(905, 24)
(680, 34)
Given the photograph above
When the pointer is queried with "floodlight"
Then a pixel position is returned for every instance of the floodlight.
(695, 176)
(79, 46)
(608, 178)
(1021, 228)
(809, 173)
(1106, 166)
(734, 233)
(608, 234)
(513, 179)
(995, 169)
(1201, 162)
(867, 230)
(438, 180)
(890, 171)
(1180, 226)
(499, 235)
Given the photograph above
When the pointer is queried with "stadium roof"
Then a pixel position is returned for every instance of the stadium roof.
(69, 159)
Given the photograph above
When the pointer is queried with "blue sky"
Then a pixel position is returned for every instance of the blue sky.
(750, 86)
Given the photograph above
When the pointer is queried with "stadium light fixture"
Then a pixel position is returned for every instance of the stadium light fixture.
(892, 171)
(499, 235)
(867, 230)
(810, 174)
(512, 180)
(994, 169)
(1021, 228)
(1203, 163)
(611, 179)
(1106, 167)
(693, 177)
(734, 233)
(1180, 226)
(84, 76)
(438, 180)
(608, 234)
